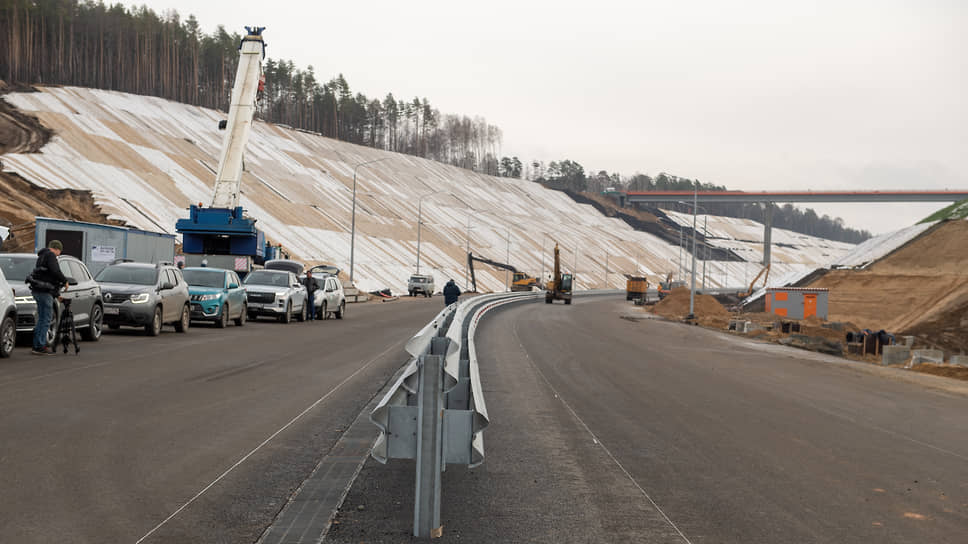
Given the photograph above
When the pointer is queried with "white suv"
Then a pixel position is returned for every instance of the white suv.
(8, 318)
(328, 297)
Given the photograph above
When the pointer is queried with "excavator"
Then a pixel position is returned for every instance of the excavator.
(666, 287)
(559, 288)
(519, 280)
(766, 281)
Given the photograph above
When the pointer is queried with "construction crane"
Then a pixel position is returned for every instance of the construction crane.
(559, 288)
(221, 233)
(519, 280)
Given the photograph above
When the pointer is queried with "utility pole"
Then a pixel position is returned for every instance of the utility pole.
(353, 228)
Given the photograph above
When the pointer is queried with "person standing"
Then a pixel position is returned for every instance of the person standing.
(451, 293)
(310, 295)
(45, 284)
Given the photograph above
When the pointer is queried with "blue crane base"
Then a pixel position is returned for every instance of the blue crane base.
(220, 231)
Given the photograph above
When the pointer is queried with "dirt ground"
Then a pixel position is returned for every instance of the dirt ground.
(948, 371)
(708, 311)
(920, 290)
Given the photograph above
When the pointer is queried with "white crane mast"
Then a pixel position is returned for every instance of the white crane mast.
(241, 110)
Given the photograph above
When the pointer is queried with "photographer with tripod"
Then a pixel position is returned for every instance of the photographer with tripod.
(45, 284)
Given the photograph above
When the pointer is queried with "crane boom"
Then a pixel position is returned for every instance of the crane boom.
(241, 110)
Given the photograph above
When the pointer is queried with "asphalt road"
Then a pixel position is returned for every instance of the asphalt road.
(197, 437)
(609, 430)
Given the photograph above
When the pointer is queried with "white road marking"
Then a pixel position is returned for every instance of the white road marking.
(598, 441)
(264, 442)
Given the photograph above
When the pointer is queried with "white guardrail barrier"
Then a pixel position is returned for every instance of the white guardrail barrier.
(435, 412)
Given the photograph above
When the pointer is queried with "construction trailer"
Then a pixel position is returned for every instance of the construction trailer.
(797, 302)
(99, 245)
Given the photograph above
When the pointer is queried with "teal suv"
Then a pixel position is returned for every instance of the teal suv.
(216, 295)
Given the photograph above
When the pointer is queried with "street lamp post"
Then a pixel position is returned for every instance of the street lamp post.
(507, 259)
(420, 222)
(606, 270)
(353, 220)
(692, 288)
(466, 271)
(543, 239)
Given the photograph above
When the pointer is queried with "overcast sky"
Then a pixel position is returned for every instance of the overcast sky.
(753, 95)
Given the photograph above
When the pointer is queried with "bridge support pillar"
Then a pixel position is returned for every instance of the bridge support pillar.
(767, 233)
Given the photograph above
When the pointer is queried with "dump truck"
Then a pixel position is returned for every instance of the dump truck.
(636, 287)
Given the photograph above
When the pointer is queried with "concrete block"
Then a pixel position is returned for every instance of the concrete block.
(908, 341)
(895, 355)
(749, 326)
(960, 360)
(919, 356)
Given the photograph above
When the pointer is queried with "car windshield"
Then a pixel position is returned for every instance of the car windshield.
(17, 268)
(204, 278)
(134, 275)
(263, 277)
(419, 279)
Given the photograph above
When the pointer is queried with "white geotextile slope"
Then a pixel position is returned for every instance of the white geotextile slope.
(145, 159)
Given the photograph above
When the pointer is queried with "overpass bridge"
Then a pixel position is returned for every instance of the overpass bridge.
(772, 197)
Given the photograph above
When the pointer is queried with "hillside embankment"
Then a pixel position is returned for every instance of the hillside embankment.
(22, 201)
(921, 289)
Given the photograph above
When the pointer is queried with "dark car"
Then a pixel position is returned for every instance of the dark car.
(145, 295)
(83, 291)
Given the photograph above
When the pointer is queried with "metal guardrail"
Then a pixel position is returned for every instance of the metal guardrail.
(435, 413)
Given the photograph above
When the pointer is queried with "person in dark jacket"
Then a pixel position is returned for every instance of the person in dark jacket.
(310, 296)
(47, 280)
(451, 293)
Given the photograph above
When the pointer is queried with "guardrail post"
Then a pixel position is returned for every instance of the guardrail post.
(426, 512)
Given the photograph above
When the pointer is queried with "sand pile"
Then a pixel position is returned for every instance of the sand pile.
(707, 309)
(921, 290)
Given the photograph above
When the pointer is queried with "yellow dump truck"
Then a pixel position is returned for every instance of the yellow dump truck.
(636, 288)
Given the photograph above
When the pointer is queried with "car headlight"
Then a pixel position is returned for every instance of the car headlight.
(140, 298)
(29, 299)
(281, 294)
(203, 298)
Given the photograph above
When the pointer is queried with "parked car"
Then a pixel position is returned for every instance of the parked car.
(275, 293)
(421, 284)
(8, 318)
(329, 297)
(145, 295)
(217, 295)
(83, 291)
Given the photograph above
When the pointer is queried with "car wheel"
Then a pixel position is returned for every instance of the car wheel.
(93, 331)
(182, 324)
(302, 313)
(341, 312)
(239, 321)
(8, 337)
(287, 317)
(223, 318)
(323, 311)
(154, 328)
